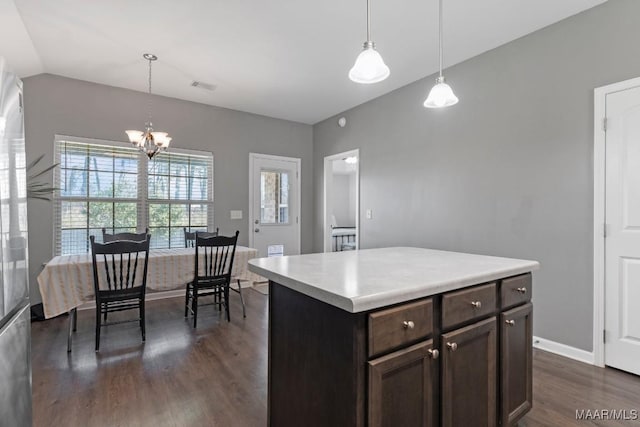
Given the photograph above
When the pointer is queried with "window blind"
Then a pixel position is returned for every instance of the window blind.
(111, 185)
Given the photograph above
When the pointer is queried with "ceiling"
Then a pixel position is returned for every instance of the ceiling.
(281, 58)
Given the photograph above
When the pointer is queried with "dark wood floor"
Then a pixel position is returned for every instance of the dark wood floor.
(216, 375)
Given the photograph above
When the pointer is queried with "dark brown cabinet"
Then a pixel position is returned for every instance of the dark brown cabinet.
(460, 358)
(469, 359)
(401, 387)
(515, 358)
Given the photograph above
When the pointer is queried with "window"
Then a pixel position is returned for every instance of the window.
(111, 185)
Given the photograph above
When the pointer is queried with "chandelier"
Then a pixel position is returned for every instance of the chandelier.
(148, 141)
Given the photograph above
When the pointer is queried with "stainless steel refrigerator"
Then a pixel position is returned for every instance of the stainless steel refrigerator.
(15, 339)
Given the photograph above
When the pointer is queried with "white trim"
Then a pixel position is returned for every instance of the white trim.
(326, 245)
(298, 163)
(599, 188)
(563, 350)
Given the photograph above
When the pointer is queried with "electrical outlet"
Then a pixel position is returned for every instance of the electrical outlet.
(369, 214)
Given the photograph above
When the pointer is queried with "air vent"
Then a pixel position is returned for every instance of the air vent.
(205, 86)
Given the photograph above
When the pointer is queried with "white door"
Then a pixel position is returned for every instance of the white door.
(622, 243)
(274, 226)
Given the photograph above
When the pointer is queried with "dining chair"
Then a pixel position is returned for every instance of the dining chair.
(190, 237)
(134, 237)
(212, 272)
(122, 285)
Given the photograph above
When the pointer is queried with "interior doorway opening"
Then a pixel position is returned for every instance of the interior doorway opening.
(342, 201)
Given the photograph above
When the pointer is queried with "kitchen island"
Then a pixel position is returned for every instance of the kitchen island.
(398, 337)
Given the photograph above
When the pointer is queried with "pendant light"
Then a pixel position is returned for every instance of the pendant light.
(441, 94)
(369, 67)
(148, 141)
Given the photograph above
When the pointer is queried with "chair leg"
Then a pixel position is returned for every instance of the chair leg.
(142, 320)
(226, 301)
(244, 311)
(75, 319)
(105, 316)
(186, 302)
(71, 315)
(98, 325)
(194, 304)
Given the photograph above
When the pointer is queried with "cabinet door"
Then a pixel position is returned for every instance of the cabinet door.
(401, 387)
(469, 357)
(515, 356)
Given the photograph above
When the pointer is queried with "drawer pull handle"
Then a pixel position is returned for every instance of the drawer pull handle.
(521, 290)
(510, 322)
(452, 346)
(434, 354)
(476, 304)
(408, 324)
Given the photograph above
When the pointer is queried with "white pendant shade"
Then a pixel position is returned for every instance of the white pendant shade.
(441, 95)
(369, 67)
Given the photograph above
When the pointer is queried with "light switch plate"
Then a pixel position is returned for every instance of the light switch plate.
(369, 214)
(236, 214)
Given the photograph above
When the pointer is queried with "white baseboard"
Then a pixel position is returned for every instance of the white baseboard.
(564, 350)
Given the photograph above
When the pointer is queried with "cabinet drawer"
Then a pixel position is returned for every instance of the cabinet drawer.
(515, 290)
(401, 325)
(468, 304)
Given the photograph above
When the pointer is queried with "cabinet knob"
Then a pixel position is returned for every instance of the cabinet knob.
(452, 346)
(522, 290)
(434, 354)
(408, 324)
(476, 304)
(510, 322)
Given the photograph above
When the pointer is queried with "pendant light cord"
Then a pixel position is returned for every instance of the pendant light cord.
(149, 96)
(368, 22)
(440, 35)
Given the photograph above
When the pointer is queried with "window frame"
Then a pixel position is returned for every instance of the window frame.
(142, 200)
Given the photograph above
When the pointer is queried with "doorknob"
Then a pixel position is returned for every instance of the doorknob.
(256, 221)
(257, 230)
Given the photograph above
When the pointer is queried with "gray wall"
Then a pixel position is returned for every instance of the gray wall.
(57, 105)
(344, 199)
(509, 170)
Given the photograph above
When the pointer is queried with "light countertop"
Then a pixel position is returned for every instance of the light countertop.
(367, 279)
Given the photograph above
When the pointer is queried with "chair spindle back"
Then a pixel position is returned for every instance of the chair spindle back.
(121, 259)
(217, 254)
(190, 236)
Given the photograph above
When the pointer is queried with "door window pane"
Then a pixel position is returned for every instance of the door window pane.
(274, 197)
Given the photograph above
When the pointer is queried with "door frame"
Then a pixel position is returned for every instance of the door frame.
(298, 162)
(599, 209)
(328, 166)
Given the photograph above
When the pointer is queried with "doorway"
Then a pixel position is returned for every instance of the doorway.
(274, 205)
(342, 201)
(617, 215)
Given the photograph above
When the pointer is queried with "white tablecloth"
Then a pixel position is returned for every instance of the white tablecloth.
(67, 281)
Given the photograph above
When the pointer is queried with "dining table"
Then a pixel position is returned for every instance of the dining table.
(66, 281)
